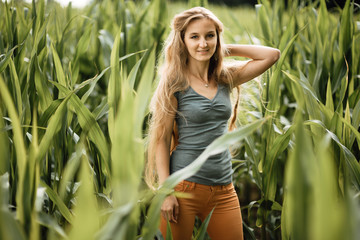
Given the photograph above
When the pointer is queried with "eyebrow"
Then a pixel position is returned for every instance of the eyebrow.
(193, 33)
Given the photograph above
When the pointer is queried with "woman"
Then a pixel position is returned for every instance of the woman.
(190, 108)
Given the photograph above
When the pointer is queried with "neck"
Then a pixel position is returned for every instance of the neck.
(199, 69)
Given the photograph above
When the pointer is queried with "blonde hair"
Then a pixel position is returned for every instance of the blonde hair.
(173, 79)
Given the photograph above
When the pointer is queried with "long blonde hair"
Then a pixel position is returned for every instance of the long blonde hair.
(173, 79)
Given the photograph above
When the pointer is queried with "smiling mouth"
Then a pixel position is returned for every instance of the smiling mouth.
(203, 51)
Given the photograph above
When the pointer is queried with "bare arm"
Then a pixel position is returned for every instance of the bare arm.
(262, 58)
(163, 147)
(170, 206)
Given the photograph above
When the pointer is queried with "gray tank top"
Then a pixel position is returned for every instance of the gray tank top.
(200, 121)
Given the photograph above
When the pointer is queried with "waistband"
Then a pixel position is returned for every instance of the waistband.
(192, 185)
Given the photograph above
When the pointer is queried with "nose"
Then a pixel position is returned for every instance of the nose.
(203, 43)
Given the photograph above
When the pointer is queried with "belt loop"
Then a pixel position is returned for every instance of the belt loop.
(192, 185)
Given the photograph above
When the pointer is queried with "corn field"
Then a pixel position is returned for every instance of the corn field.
(75, 86)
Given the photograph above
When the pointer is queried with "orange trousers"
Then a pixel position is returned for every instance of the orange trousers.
(225, 222)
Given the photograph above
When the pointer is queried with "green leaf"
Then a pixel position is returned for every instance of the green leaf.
(114, 90)
(144, 89)
(58, 66)
(168, 231)
(355, 121)
(16, 87)
(89, 125)
(55, 123)
(353, 130)
(81, 48)
(343, 89)
(93, 81)
(202, 230)
(50, 223)
(264, 21)
(346, 28)
(83, 43)
(298, 180)
(18, 141)
(117, 223)
(4, 147)
(322, 22)
(86, 216)
(69, 172)
(270, 180)
(5, 61)
(10, 229)
(274, 93)
(49, 112)
(351, 162)
(133, 74)
(42, 87)
(329, 100)
(65, 212)
(324, 223)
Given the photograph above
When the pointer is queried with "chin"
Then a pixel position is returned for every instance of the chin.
(204, 59)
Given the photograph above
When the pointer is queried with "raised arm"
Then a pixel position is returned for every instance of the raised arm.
(170, 207)
(262, 58)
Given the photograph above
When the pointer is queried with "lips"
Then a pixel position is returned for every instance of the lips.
(203, 51)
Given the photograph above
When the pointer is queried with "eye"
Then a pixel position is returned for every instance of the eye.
(194, 37)
(211, 35)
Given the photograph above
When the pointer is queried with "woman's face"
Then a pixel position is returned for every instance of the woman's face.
(200, 39)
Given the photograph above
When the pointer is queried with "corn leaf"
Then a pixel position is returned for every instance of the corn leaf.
(55, 123)
(270, 182)
(58, 66)
(21, 154)
(86, 217)
(65, 212)
(299, 172)
(144, 89)
(351, 162)
(89, 125)
(6, 59)
(114, 85)
(202, 230)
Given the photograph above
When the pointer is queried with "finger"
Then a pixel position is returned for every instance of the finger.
(165, 214)
(176, 212)
(173, 217)
(169, 216)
